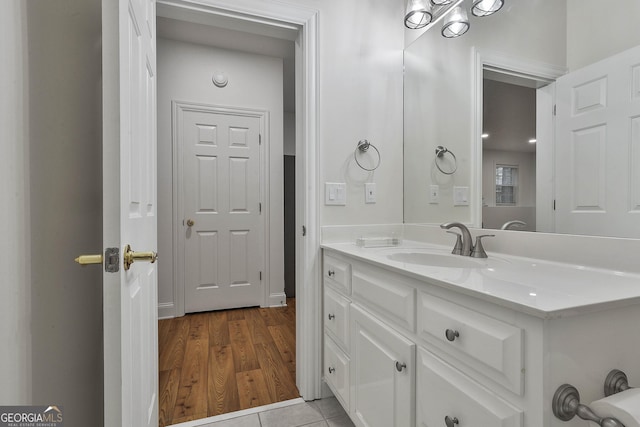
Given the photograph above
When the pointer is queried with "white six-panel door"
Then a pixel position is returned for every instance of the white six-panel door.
(129, 212)
(598, 148)
(221, 202)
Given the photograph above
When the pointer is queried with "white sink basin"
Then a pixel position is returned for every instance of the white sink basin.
(437, 260)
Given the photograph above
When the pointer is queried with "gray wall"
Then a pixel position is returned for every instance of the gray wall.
(64, 48)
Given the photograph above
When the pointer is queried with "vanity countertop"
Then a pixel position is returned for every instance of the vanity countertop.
(541, 288)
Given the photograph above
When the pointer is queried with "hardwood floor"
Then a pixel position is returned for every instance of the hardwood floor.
(223, 361)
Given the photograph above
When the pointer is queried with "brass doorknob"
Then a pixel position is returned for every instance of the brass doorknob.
(130, 257)
(190, 223)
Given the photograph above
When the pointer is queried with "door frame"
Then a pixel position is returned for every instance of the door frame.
(308, 292)
(177, 145)
(541, 72)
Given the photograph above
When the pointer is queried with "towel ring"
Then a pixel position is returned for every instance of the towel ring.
(440, 152)
(363, 146)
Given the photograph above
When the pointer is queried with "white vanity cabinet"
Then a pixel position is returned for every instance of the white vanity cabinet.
(405, 350)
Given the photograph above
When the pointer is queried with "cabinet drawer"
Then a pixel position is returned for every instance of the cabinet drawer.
(386, 293)
(336, 371)
(474, 337)
(337, 273)
(443, 391)
(336, 316)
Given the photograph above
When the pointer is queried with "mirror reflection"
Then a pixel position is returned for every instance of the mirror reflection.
(577, 171)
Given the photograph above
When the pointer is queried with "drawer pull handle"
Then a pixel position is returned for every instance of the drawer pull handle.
(332, 370)
(331, 273)
(451, 334)
(400, 366)
(450, 422)
(332, 316)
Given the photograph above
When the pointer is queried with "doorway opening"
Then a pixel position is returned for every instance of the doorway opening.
(254, 37)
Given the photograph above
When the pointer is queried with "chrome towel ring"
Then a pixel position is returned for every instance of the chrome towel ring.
(363, 146)
(440, 152)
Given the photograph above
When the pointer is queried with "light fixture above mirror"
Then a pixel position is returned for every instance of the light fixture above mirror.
(423, 13)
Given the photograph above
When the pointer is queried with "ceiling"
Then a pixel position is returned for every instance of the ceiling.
(509, 116)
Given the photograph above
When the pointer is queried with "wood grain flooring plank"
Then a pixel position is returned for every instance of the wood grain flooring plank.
(235, 314)
(244, 355)
(252, 389)
(277, 377)
(218, 328)
(285, 342)
(172, 350)
(257, 327)
(168, 387)
(222, 387)
(192, 393)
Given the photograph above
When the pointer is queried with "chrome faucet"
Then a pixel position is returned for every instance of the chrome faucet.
(511, 225)
(466, 248)
(466, 236)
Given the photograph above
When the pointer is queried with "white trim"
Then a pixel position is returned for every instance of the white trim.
(177, 110)
(166, 310)
(206, 422)
(308, 330)
(508, 64)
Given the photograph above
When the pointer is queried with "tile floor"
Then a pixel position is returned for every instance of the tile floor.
(319, 413)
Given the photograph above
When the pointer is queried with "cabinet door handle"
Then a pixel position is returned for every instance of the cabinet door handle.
(331, 273)
(332, 316)
(451, 334)
(450, 422)
(400, 366)
(332, 370)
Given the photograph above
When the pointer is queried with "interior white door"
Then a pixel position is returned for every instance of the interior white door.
(129, 212)
(223, 225)
(598, 148)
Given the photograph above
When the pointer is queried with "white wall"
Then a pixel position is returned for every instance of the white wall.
(438, 96)
(255, 81)
(15, 286)
(289, 134)
(597, 30)
(361, 44)
(65, 198)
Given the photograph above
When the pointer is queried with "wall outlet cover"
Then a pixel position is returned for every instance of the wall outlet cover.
(434, 194)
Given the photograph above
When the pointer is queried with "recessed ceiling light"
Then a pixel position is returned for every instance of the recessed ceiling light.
(532, 141)
(485, 135)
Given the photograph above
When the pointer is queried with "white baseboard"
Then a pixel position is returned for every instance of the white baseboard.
(277, 300)
(166, 310)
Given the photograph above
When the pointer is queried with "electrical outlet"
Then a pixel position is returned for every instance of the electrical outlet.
(370, 192)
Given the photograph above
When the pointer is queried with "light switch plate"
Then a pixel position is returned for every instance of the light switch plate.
(335, 193)
(370, 195)
(434, 194)
(460, 196)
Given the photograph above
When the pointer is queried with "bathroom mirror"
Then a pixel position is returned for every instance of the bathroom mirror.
(502, 78)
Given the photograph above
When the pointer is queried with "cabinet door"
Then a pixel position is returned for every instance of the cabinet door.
(383, 374)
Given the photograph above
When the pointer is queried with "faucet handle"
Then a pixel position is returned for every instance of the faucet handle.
(478, 250)
(457, 249)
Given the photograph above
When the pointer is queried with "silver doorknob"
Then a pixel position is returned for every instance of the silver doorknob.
(190, 223)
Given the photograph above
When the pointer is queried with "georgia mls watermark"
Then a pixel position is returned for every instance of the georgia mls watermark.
(31, 416)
